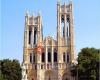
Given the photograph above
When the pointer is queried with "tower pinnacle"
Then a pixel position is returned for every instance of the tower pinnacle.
(58, 1)
(39, 13)
(27, 13)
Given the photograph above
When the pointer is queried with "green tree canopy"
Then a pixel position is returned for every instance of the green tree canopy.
(10, 69)
(88, 64)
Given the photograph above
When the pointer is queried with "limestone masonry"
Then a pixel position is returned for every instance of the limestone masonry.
(49, 59)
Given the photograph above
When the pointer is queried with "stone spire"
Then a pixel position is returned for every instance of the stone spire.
(58, 1)
(27, 13)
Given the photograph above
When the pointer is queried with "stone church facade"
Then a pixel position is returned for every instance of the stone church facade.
(49, 59)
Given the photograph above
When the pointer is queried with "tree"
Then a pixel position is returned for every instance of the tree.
(88, 64)
(10, 69)
(1, 76)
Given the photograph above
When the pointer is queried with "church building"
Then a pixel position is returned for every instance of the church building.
(45, 58)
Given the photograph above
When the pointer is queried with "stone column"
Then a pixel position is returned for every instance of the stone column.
(27, 60)
(59, 42)
(46, 56)
(71, 33)
(66, 57)
(40, 28)
(32, 36)
(38, 36)
(60, 27)
(52, 53)
(65, 27)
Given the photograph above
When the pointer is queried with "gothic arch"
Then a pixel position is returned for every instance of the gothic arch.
(32, 75)
(65, 76)
(49, 75)
(55, 56)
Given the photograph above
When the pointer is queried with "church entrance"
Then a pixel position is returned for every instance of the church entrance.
(65, 77)
(49, 75)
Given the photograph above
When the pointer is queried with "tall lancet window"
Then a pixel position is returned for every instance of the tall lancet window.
(30, 57)
(55, 55)
(35, 35)
(67, 31)
(68, 26)
(49, 78)
(43, 57)
(64, 58)
(30, 33)
(68, 57)
(62, 24)
(63, 32)
(49, 55)
(33, 57)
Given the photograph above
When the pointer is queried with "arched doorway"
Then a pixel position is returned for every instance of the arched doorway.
(49, 75)
(65, 77)
(32, 75)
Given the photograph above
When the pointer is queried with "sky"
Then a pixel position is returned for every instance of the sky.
(12, 23)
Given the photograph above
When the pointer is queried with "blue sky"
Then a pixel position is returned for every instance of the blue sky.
(12, 18)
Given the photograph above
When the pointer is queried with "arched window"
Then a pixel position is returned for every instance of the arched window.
(49, 56)
(67, 31)
(64, 57)
(62, 24)
(43, 57)
(33, 58)
(55, 56)
(67, 58)
(49, 78)
(68, 25)
(35, 35)
(30, 57)
(68, 18)
(62, 18)
(30, 33)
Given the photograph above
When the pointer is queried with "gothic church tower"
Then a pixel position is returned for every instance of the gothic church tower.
(65, 32)
(49, 59)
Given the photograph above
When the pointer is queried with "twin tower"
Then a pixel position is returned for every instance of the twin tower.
(47, 58)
